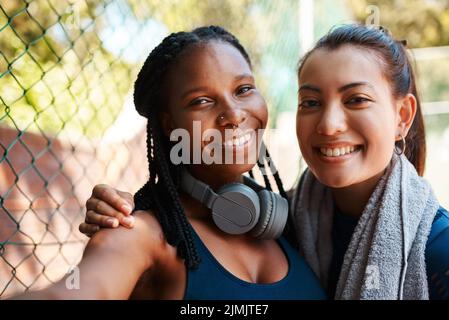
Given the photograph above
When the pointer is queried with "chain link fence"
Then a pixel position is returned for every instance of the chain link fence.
(65, 111)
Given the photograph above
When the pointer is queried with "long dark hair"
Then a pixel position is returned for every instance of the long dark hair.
(397, 68)
(161, 192)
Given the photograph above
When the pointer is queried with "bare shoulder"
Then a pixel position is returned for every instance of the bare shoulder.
(145, 239)
(146, 222)
(151, 230)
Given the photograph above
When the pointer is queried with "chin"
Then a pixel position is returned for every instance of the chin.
(233, 169)
(334, 181)
(240, 168)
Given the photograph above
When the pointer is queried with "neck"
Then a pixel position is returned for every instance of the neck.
(352, 200)
(193, 208)
(215, 179)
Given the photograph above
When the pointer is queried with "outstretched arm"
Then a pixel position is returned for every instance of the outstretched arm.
(112, 263)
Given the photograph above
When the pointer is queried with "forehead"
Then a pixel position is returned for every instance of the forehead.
(203, 61)
(347, 64)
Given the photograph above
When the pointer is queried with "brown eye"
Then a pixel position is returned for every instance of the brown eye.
(244, 89)
(199, 101)
(308, 104)
(357, 100)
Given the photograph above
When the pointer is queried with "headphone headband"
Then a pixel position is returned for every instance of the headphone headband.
(238, 208)
(198, 189)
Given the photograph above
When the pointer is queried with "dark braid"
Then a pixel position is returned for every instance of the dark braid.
(261, 165)
(161, 192)
(289, 230)
(276, 176)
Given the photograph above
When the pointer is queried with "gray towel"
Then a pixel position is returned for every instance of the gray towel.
(386, 256)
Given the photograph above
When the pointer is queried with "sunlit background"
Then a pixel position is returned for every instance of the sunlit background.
(67, 121)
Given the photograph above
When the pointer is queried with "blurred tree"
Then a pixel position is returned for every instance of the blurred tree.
(237, 16)
(424, 23)
(54, 71)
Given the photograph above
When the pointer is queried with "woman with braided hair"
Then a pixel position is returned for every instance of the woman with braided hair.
(367, 222)
(175, 250)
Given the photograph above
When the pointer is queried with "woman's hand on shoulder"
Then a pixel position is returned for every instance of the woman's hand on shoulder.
(107, 208)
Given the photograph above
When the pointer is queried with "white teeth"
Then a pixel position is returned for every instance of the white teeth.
(337, 152)
(237, 141)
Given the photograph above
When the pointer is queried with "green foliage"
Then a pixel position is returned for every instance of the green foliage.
(55, 75)
(424, 23)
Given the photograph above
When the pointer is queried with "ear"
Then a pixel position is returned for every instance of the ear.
(406, 114)
(166, 123)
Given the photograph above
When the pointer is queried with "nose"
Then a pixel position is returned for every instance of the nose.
(332, 121)
(232, 115)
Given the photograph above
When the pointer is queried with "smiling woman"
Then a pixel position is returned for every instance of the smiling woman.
(177, 249)
(360, 130)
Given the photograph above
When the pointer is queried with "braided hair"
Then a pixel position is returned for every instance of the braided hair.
(161, 192)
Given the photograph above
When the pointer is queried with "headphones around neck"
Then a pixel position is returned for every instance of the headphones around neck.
(238, 208)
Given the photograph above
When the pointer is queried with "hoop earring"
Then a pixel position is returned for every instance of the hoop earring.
(401, 150)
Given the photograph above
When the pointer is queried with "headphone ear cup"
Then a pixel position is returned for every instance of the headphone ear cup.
(266, 211)
(273, 215)
(237, 208)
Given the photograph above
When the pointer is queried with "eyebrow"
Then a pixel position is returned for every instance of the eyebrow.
(244, 76)
(309, 87)
(341, 89)
(185, 94)
(355, 84)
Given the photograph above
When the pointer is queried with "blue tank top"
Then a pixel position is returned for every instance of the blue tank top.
(211, 281)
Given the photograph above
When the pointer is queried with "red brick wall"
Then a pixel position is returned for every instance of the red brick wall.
(44, 185)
